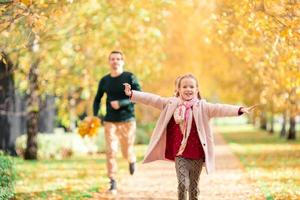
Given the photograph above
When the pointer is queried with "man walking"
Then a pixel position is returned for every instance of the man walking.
(119, 121)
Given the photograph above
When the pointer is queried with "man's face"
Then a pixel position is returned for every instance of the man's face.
(116, 61)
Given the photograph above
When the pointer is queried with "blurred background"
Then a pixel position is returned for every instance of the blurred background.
(245, 52)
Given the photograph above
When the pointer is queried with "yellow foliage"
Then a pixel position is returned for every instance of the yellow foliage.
(233, 47)
(26, 2)
(262, 38)
(89, 126)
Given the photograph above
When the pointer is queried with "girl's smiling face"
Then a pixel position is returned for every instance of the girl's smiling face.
(188, 88)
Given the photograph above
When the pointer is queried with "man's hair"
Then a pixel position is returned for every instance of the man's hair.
(116, 52)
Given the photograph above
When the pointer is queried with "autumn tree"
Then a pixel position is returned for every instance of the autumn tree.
(62, 48)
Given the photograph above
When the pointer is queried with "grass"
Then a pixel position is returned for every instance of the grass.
(74, 178)
(273, 162)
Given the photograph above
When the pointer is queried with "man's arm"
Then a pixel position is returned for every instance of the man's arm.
(97, 100)
(134, 83)
(135, 86)
(124, 102)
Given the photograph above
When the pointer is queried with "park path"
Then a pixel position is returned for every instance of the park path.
(157, 180)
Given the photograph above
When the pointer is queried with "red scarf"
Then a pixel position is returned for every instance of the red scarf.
(183, 116)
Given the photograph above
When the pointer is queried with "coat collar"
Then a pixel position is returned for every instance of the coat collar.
(172, 105)
(170, 109)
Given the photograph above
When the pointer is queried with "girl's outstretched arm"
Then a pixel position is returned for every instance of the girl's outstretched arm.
(145, 97)
(226, 110)
(248, 109)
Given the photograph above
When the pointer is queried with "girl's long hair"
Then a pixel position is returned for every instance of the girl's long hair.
(180, 78)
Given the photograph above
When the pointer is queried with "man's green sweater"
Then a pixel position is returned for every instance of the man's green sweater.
(114, 89)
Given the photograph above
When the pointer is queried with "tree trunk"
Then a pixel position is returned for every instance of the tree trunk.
(292, 129)
(271, 129)
(47, 115)
(263, 121)
(283, 128)
(251, 119)
(32, 117)
(6, 101)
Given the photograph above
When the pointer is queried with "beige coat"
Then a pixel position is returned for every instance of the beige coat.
(202, 113)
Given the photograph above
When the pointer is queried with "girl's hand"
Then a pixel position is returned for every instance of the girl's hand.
(127, 89)
(249, 109)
